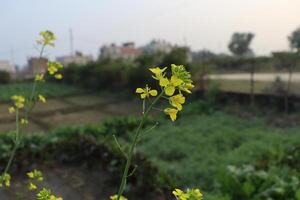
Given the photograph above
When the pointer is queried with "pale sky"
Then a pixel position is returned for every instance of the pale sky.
(202, 24)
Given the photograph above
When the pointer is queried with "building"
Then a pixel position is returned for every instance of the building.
(158, 46)
(127, 51)
(35, 66)
(79, 58)
(6, 66)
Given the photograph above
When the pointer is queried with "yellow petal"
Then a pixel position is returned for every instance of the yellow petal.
(58, 76)
(176, 81)
(153, 92)
(169, 90)
(143, 96)
(163, 82)
(139, 90)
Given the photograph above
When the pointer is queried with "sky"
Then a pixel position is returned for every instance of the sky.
(201, 24)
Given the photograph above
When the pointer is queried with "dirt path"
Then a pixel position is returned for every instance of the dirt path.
(76, 110)
(269, 77)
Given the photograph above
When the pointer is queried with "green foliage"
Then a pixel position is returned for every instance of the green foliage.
(294, 39)
(196, 148)
(48, 90)
(4, 77)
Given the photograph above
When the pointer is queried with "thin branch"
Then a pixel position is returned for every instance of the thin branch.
(119, 146)
(151, 128)
(134, 169)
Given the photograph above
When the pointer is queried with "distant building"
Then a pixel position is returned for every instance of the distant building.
(79, 59)
(158, 46)
(6, 66)
(127, 51)
(35, 66)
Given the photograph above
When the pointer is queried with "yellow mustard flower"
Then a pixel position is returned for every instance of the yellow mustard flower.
(39, 77)
(5, 180)
(11, 109)
(172, 112)
(180, 195)
(24, 121)
(170, 85)
(52, 70)
(190, 194)
(18, 100)
(42, 98)
(32, 186)
(53, 67)
(177, 101)
(47, 38)
(58, 76)
(146, 92)
(158, 72)
(115, 197)
(52, 197)
(36, 175)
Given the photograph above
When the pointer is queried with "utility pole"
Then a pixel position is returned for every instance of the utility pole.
(71, 42)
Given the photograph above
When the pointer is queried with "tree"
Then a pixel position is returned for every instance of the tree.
(178, 55)
(4, 77)
(294, 40)
(239, 44)
(240, 47)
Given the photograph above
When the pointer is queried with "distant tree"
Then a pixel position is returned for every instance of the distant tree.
(178, 55)
(4, 77)
(240, 47)
(294, 40)
(239, 44)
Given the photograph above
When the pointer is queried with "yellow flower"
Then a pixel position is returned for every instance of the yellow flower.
(24, 121)
(32, 186)
(180, 195)
(146, 92)
(47, 38)
(172, 112)
(186, 87)
(35, 174)
(52, 70)
(158, 73)
(115, 197)
(170, 85)
(18, 100)
(5, 180)
(11, 109)
(39, 77)
(177, 100)
(53, 67)
(42, 98)
(52, 197)
(58, 76)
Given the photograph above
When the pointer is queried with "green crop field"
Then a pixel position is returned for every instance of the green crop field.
(49, 90)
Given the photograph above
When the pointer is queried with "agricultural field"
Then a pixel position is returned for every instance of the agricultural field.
(49, 89)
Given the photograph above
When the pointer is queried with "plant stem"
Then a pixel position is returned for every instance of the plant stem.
(132, 146)
(16, 143)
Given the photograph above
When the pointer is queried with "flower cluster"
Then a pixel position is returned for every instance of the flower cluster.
(179, 81)
(45, 194)
(190, 194)
(53, 69)
(115, 197)
(5, 180)
(19, 102)
(48, 38)
(36, 176)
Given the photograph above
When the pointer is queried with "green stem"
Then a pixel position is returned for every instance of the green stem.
(132, 146)
(30, 107)
(16, 143)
